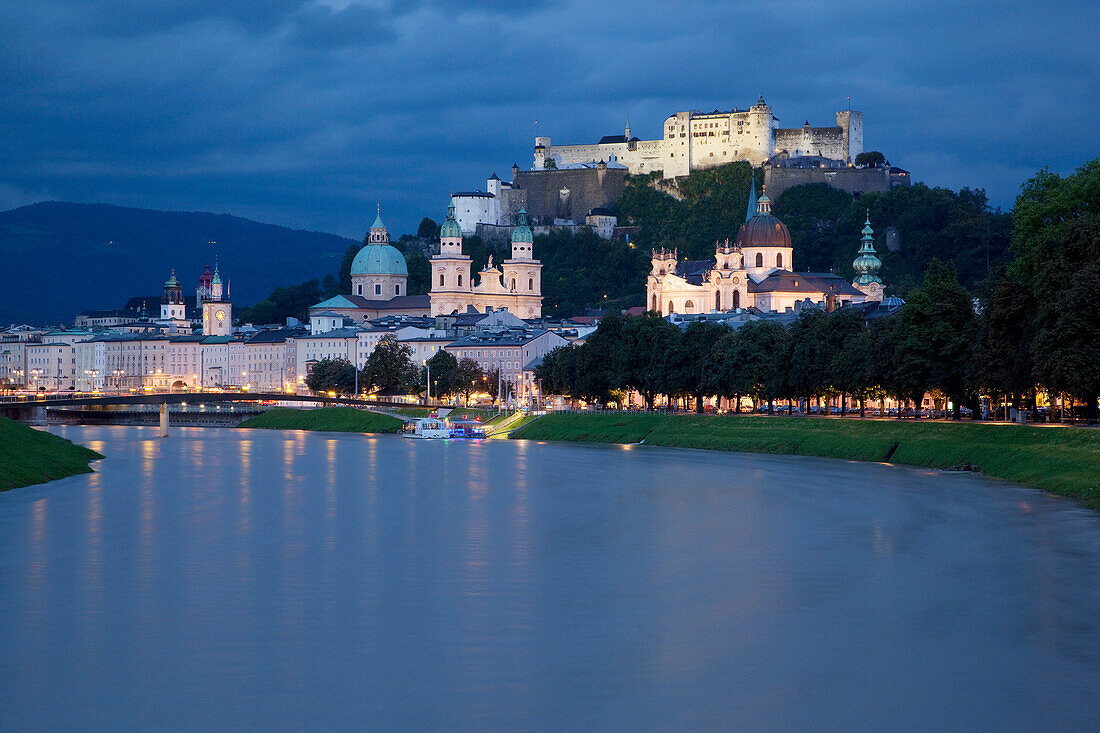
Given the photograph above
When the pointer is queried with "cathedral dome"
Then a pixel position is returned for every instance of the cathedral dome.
(522, 232)
(763, 230)
(379, 259)
(451, 227)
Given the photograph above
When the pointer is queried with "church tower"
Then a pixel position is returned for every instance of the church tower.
(522, 272)
(217, 311)
(867, 265)
(451, 286)
(171, 305)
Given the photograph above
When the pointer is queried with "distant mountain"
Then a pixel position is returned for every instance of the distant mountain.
(57, 259)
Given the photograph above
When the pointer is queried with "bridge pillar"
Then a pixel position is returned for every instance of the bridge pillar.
(164, 420)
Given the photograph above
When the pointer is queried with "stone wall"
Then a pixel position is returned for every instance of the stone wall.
(569, 194)
(852, 180)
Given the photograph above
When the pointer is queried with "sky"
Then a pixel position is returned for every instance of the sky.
(309, 113)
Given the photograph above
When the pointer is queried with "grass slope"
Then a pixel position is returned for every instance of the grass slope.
(335, 419)
(1062, 461)
(29, 456)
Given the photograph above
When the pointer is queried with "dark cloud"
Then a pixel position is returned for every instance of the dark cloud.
(305, 113)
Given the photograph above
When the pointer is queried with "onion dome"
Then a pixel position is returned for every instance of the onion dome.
(867, 264)
(522, 232)
(379, 259)
(763, 229)
(217, 279)
(450, 226)
(172, 282)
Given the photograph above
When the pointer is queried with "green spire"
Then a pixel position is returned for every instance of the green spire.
(751, 211)
(378, 219)
(867, 264)
(450, 226)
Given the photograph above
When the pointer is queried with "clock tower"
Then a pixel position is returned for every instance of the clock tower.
(217, 311)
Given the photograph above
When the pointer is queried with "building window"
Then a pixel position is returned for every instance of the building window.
(531, 283)
(460, 280)
(513, 285)
(397, 290)
(779, 260)
(377, 289)
(441, 279)
(759, 259)
(360, 289)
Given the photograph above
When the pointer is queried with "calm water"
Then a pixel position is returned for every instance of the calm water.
(233, 579)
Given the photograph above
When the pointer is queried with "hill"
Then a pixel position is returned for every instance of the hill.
(61, 258)
(825, 223)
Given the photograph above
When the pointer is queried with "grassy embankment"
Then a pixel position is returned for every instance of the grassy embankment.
(29, 456)
(1062, 461)
(335, 419)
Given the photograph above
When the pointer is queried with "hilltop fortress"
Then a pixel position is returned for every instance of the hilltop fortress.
(693, 140)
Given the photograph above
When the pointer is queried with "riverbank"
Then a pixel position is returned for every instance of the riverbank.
(334, 419)
(1064, 461)
(29, 456)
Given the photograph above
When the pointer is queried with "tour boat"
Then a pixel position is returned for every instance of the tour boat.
(426, 427)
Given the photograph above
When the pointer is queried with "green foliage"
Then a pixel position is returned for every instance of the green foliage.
(583, 270)
(30, 456)
(932, 223)
(871, 158)
(466, 378)
(389, 368)
(332, 375)
(287, 301)
(443, 367)
(344, 276)
(1065, 462)
(712, 209)
(428, 229)
(334, 419)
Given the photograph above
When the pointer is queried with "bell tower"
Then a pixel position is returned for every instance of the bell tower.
(450, 270)
(217, 312)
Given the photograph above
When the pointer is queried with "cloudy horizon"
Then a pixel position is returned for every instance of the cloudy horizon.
(311, 112)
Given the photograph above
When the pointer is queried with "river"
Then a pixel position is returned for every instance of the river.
(256, 579)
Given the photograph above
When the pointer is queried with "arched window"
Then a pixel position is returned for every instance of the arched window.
(779, 260)
(736, 298)
(513, 285)
(460, 280)
(759, 259)
(530, 283)
(440, 280)
(689, 307)
(670, 310)
(717, 300)
(653, 301)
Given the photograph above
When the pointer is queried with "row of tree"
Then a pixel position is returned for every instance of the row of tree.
(390, 370)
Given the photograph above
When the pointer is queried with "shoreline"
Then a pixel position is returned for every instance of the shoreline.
(30, 456)
(1061, 462)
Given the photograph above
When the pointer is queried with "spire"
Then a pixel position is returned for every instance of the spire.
(628, 128)
(378, 219)
(751, 211)
(867, 264)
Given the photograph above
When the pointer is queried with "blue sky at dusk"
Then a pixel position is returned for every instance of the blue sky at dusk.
(305, 113)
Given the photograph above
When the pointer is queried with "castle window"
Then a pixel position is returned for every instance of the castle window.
(759, 259)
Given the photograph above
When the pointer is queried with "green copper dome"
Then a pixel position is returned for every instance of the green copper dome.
(522, 232)
(450, 227)
(379, 259)
(867, 264)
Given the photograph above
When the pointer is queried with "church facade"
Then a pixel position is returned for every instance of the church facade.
(753, 272)
(516, 285)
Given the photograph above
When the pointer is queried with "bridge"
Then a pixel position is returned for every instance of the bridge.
(31, 408)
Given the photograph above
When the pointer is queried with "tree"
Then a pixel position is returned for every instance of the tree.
(1002, 360)
(558, 370)
(851, 371)
(1056, 237)
(932, 337)
(467, 375)
(428, 229)
(693, 366)
(442, 367)
(332, 375)
(870, 158)
(344, 274)
(645, 341)
(389, 368)
(748, 361)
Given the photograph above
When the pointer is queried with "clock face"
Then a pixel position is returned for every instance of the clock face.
(220, 315)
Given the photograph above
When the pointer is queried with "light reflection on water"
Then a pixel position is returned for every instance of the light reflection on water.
(223, 578)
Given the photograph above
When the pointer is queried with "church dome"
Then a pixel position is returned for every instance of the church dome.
(763, 230)
(379, 259)
(522, 232)
(451, 227)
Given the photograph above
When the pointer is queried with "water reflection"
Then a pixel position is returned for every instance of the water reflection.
(290, 580)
